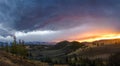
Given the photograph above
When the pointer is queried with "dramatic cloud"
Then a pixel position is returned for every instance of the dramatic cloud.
(55, 20)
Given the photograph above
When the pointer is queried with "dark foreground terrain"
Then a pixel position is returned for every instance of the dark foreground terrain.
(7, 59)
(98, 53)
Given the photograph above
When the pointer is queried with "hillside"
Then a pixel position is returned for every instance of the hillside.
(59, 50)
(64, 48)
(7, 59)
(98, 52)
(72, 53)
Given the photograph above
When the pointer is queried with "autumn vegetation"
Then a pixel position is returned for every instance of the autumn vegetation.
(65, 53)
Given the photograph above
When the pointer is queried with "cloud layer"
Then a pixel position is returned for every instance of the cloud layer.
(58, 19)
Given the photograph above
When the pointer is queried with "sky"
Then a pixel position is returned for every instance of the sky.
(57, 20)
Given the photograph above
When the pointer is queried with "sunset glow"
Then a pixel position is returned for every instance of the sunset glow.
(59, 20)
(101, 37)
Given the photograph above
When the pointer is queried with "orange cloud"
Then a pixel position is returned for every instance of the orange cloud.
(95, 35)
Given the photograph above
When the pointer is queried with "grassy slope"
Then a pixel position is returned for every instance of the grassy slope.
(53, 52)
(7, 59)
(98, 52)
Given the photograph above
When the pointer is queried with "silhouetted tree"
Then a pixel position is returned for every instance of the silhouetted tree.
(14, 46)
